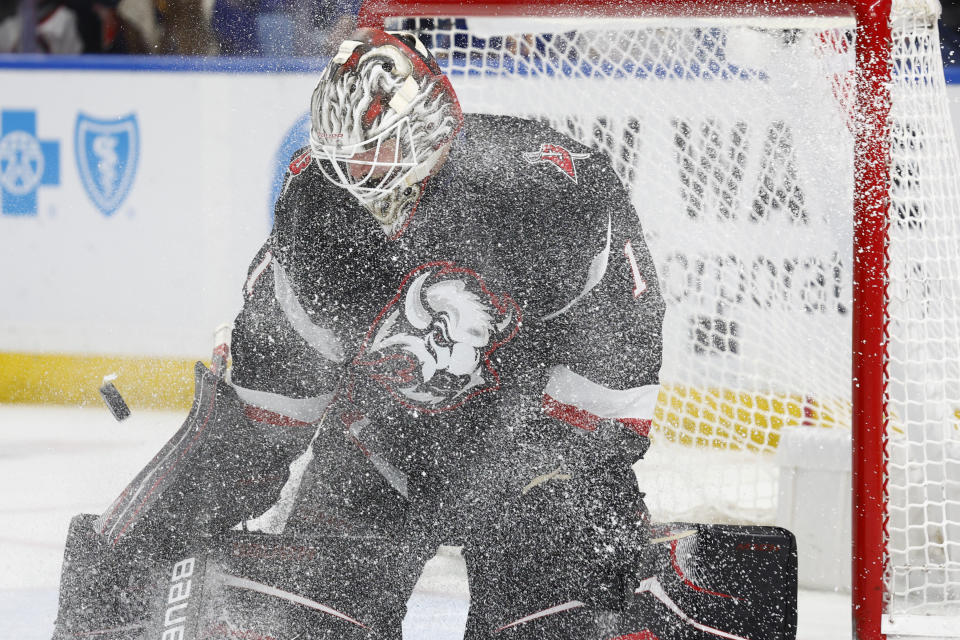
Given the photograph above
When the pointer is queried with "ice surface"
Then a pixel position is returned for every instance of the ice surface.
(57, 462)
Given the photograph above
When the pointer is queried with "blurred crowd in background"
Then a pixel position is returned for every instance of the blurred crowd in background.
(278, 28)
(176, 27)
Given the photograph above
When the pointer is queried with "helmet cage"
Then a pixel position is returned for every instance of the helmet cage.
(357, 167)
(383, 118)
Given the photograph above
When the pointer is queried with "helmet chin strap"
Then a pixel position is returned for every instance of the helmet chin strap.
(393, 209)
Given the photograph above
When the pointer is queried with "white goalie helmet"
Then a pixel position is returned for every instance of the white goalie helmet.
(383, 117)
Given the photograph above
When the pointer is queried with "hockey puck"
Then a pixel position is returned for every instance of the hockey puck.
(115, 402)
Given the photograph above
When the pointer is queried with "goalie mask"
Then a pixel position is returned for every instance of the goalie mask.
(383, 117)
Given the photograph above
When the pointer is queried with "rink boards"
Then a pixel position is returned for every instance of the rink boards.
(133, 198)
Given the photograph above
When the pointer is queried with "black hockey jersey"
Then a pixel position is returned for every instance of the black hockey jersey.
(518, 306)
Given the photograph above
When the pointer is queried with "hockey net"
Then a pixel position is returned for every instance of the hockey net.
(736, 134)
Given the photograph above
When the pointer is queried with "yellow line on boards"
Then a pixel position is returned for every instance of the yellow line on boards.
(740, 420)
(145, 383)
(690, 416)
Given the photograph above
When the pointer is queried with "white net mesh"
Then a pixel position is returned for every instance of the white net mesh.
(734, 137)
(924, 310)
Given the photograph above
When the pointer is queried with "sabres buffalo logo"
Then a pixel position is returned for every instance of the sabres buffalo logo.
(430, 346)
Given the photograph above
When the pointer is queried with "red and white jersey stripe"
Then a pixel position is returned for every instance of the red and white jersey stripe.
(583, 403)
(280, 410)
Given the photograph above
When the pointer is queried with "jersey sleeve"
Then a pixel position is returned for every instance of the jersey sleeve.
(285, 365)
(607, 325)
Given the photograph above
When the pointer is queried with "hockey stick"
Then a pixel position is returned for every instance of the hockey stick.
(221, 349)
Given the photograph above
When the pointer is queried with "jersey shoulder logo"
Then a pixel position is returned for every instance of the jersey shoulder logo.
(301, 162)
(430, 347)
(559, 157)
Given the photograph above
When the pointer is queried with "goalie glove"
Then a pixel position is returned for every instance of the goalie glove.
(579, 500)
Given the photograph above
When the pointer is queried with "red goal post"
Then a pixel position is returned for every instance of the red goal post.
(871, 203)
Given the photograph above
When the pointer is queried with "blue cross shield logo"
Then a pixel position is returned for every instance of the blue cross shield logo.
(26, 163)
(107, 152)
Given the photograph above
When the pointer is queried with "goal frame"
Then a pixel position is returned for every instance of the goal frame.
(870, 233)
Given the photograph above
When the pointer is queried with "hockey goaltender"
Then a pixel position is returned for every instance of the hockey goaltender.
(455, 324)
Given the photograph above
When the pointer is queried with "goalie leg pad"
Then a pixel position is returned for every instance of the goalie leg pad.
(219, 469)
(545, 565)
(101, 593)
(706, 582)
(238, 585)
(260, 586)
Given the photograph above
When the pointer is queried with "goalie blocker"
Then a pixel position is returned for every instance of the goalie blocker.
(694, 582)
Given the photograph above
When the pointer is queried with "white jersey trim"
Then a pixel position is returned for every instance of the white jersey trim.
(252, 585)
(570, 388)
(320, 338)
(598, 268)
(303, 409)
(560, 608)
(257, 272)
(396, 477)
